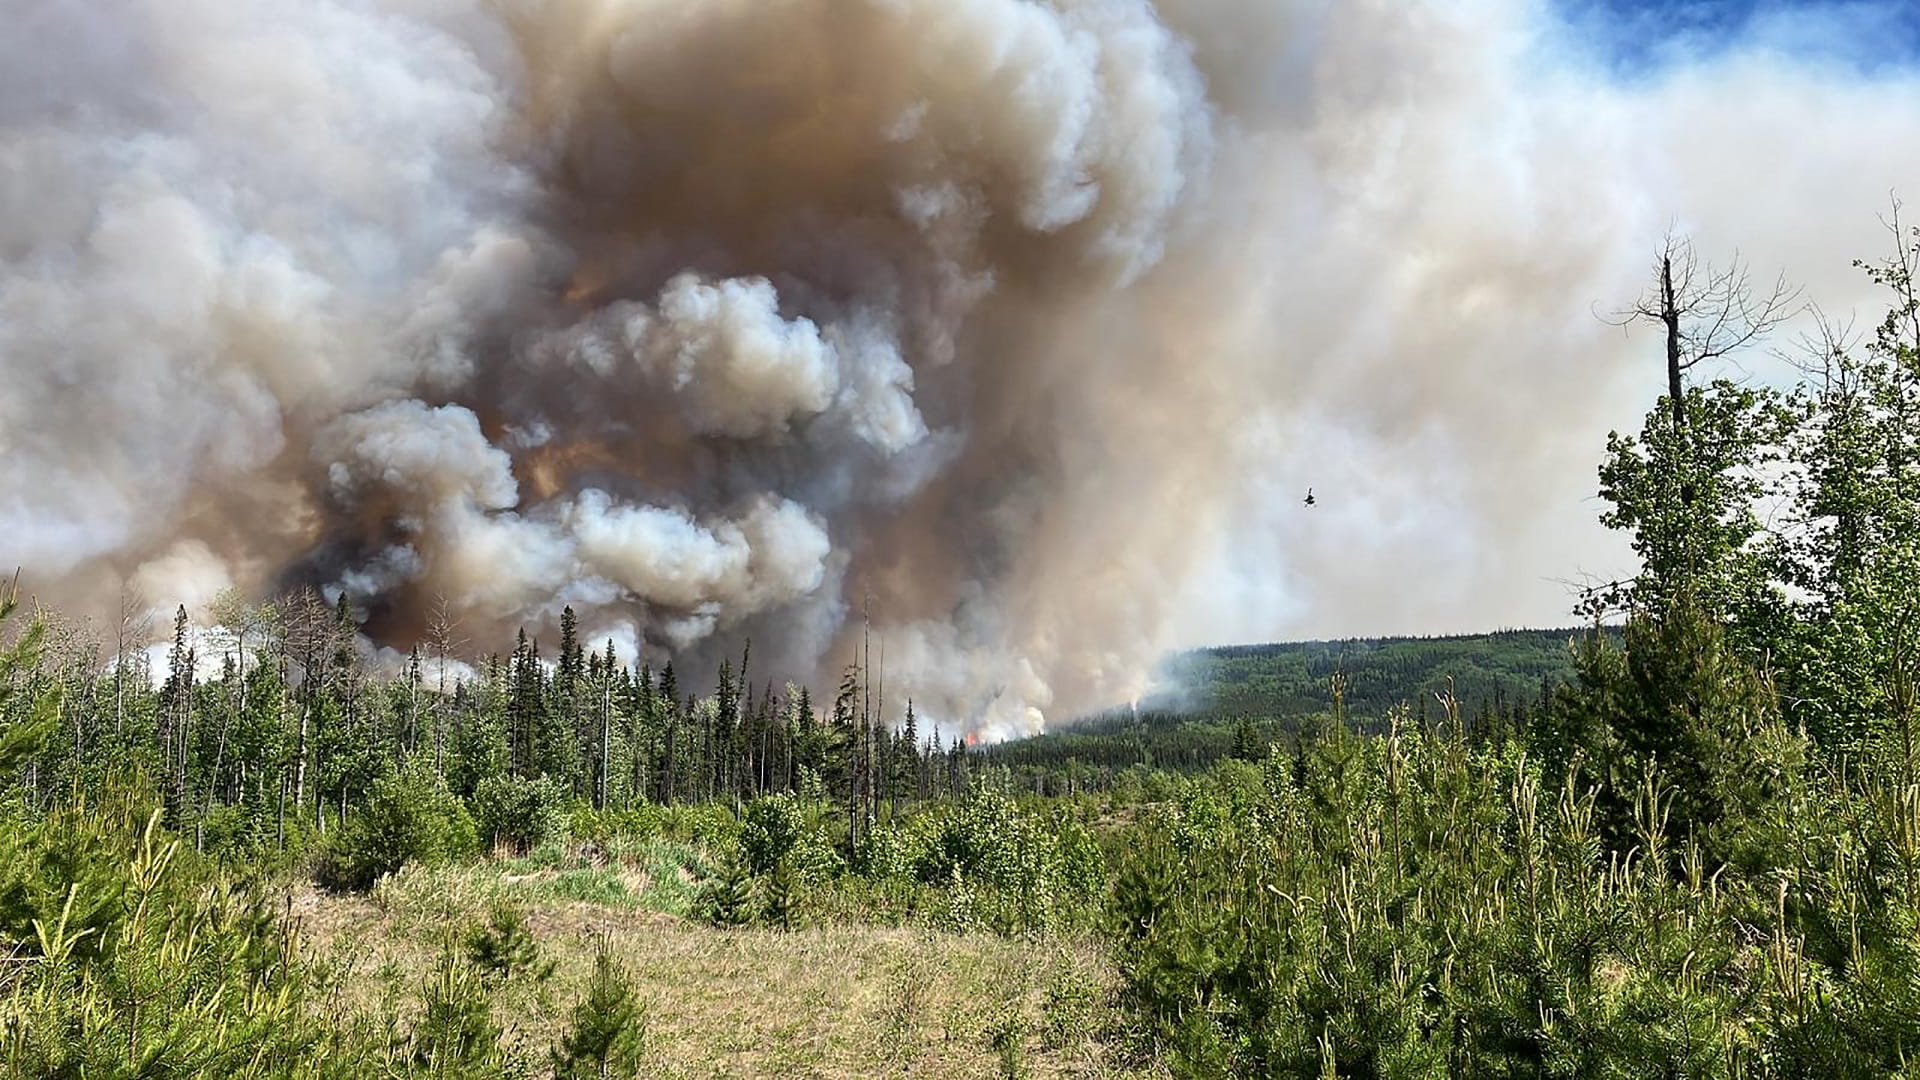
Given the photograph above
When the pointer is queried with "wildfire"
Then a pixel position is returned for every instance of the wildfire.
(545, 469)
(585, 287)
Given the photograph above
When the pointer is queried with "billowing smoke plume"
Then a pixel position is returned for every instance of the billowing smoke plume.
(1015, 323)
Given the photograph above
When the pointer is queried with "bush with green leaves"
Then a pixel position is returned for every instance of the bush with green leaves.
(784, 831)
(700, 825)
(772, 827)
(995, 864)
(410, 816)
(520, 813)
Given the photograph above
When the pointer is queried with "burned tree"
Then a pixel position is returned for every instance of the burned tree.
(1705, 313)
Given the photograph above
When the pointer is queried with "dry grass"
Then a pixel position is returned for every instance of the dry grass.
(819, 1002)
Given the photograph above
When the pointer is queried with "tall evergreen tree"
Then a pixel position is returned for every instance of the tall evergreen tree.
(176, 714)
(667, 701)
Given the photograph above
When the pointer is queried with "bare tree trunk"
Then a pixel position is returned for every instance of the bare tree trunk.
(219, 762)
(1670, 318)
(300, 762)
(121, 633)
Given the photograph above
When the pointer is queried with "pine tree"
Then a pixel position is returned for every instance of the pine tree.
(643, 727)
(456, 1033)
(1246, 744)
(847, 724)
(803, 731)
(412, 735)
(906, 773)
(727, 897)
(505, 947)
(176, 714)
(667, 701)
(783, 896)
(569, 721)
(606, 1036)
(720, 725)
(33, 712)
(526, 707)
(604, 680)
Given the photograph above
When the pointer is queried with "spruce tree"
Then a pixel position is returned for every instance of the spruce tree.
(570, 733)
(727, 897)
(175, 715)
(606, 1034)
(720, 730)
(667, 702)
(643, 735)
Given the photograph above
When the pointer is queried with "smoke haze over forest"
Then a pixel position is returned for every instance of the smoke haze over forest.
(1029, 321)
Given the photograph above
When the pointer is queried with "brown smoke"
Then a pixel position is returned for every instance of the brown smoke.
(1028, 320)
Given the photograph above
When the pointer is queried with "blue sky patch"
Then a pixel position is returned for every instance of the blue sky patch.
(1642, 37)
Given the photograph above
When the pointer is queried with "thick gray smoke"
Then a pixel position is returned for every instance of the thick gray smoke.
(1025, 320)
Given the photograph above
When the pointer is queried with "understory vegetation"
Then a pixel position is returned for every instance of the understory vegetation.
(1689, 849)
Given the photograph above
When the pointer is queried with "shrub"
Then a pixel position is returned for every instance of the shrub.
(774, 827)
(784, 832)
(706, 825)
(232, 835)
(890, 851)
(614, 826)
(998, 865)
(518, 812)
(409, 816)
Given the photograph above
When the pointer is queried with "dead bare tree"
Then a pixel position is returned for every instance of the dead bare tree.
(134, 626)
(1706, 312)
(309, 627)
(442, 630)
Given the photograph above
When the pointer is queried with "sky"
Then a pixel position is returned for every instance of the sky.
(1641, 37)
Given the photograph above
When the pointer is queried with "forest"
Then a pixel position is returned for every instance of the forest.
(1682, 841)
(1233, 700)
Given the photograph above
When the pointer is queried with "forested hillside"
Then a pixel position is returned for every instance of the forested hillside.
(1235, 700)
(1295, 679)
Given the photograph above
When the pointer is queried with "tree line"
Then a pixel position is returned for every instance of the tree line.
(293, 730)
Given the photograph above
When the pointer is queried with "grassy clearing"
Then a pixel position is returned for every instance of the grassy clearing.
(828, 1000)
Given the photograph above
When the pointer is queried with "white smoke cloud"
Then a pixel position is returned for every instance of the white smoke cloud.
(1030, 320)
(430, 456)
(187, 575)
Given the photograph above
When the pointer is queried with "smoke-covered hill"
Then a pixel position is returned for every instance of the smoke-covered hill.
(1295, 679)
(1233, 693)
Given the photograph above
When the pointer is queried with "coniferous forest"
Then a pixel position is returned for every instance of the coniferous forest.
(1683, 841)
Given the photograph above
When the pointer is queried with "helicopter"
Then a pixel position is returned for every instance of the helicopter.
(1310, 500)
